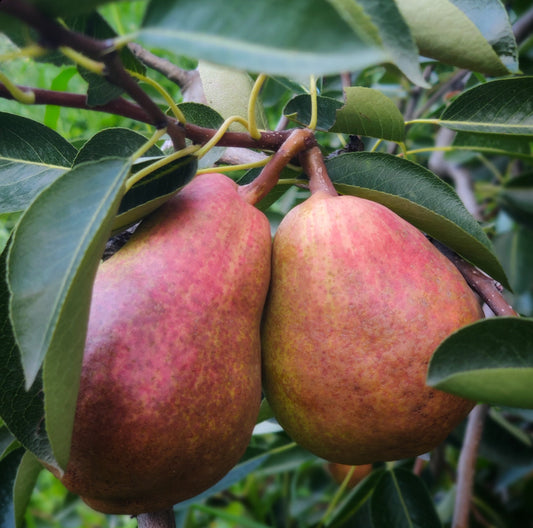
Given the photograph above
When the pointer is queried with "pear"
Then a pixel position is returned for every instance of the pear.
(171, 383)
(339, 472)
(359, 300)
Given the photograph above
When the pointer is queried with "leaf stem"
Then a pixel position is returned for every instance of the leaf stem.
(83, 61)
(252, 105)
(314, 104)
(138, 176)
(220, 132)
(232, 168)
(22, 95)
(156, 136)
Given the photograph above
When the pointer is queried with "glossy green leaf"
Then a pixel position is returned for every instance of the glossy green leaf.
(65, 8)
(462, 44)
(368, 112)
(22, 410)
(31, 157)
(8, 473)
(25, 481)
(300, 37)
(201, 114)
(516, 198)
(402, 500)
(420, 197)
(514, 250)
(298, 109)
(354, 500)
(113, 142)
(489, 361)
(153, 191)
(492, 21)
(395, 36)
(50, 279)
(503, 106)
(498, 144)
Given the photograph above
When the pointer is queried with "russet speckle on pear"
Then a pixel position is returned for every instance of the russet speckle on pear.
(171, 384)
(359, 300)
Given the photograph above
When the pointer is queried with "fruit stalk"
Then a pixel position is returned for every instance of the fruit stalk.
(298, 141)
(159, 519)
(315, 168)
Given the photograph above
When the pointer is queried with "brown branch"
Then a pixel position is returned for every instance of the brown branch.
(466, 466)
(54, 35)
(486, 287)
(160, 519)
(269, 140)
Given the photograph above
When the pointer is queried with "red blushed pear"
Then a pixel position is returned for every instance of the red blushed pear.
(171, 383)
(359, 300)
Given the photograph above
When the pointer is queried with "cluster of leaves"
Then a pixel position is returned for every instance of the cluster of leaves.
(71, 186)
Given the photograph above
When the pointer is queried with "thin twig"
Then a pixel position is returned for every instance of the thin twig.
(486, 287)
(466, 466)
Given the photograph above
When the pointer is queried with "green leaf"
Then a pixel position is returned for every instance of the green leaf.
(514, 250)
(420, 197)
(21, 410)
(113, 142)
(461, 44)
(50, 279)
(492, 20)
(396, 37)
(516, 198)
(227, 91)
(25, 481)
(401, 499)
(489, 361)
(8, 472)
(7, 441)
(63, 8)
(354, 500)
(298, 109)
(368, 112)
(201, 115)
(499, 144)
(31, 157)
(154, 190)
(503, 106)
(300, 37)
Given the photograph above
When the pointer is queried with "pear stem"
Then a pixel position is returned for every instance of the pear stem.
(159, 519)
(315, 168)
(487, 288)
(299, 140)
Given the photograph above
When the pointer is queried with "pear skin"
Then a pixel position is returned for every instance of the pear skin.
(359, 300)
(171, 383)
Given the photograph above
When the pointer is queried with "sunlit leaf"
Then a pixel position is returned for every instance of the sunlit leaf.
(50, 278)
(489, 361)
(368, 112)
(461, 44)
